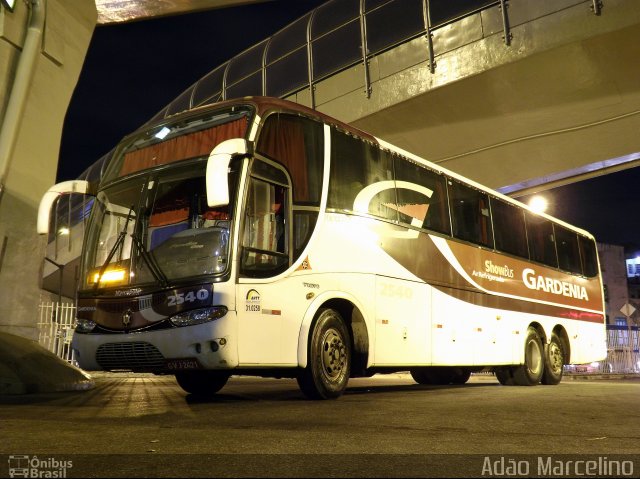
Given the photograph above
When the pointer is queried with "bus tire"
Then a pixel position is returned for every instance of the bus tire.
(530, 373)
(460, 375)
(554, 359)
(327, 372)
(504, 375)
(202, 383)
(435, 375)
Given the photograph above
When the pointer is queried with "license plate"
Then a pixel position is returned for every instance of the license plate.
(181, 364)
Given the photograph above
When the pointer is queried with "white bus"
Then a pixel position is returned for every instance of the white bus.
(259, 237)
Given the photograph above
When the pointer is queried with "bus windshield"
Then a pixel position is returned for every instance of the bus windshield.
(155, 229)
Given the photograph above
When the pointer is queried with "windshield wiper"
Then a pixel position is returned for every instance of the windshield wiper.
(150, 260)
(114, 248)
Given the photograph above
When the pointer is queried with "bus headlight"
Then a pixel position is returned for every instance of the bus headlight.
(85, 325)
(198, 316)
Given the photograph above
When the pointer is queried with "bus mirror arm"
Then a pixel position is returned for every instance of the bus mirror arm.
(218, 169)
(48, 199)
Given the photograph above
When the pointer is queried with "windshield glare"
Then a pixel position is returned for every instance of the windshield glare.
(156, 229)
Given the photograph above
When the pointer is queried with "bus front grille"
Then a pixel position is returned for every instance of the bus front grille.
(136, 356)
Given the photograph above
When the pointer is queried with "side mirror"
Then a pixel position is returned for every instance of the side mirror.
(52, 194)
(218, 170)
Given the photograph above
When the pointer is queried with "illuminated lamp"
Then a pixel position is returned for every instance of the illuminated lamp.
(538, 204)
(110, 276)
(162, 133)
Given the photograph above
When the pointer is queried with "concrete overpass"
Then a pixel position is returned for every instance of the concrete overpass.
(524, 98)
(520, 98)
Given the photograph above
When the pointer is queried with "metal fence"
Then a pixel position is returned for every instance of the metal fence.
(623, 354)
(55, 328)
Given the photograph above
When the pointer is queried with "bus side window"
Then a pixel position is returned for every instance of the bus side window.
(588, 256)
(541, 240)
(470, 214)
(432, 211)
(355, 165)
(568, 250)
(509, 228)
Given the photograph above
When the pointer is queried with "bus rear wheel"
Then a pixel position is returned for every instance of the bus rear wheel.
(530, 373)
(327, 372)
(460, 375)
(504, 375)
(202, 383)
(554, 359)
(436, 375)
(440, 375)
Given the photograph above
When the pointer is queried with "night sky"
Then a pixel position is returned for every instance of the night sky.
(133, 70)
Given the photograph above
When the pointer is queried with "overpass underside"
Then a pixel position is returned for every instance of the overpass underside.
(556, 102)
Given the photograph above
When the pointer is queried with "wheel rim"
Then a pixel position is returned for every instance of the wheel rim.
(556, 358)
(534, 357)
(334, 354)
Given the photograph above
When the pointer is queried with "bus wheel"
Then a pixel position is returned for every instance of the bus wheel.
(202, 383)
(504, 375)
(553, 361)
(460, 375)
(436, 375)
(327, 372)
(530, 373)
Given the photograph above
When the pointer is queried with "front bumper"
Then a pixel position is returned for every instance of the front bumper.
(210, 345)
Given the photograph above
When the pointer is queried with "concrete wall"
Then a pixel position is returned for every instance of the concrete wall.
(32, 169)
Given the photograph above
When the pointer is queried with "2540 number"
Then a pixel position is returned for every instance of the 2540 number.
(188, 297)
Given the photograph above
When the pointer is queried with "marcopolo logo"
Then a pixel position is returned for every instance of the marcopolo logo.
(27, 466)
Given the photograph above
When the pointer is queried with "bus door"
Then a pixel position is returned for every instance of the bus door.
(264, 253)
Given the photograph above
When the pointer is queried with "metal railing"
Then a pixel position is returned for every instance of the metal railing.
(338, 35)
(56, 323)
(623, 354)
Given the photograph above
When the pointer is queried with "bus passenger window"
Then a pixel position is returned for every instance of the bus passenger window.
(568, 251)
(414, 204)
(541, 240)
(470, 214)
(509, 228)
(356, 166)
(589, 256)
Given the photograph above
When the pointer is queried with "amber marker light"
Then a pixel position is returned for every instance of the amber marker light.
(110, 276)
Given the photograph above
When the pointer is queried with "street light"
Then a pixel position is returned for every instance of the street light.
(538, 204)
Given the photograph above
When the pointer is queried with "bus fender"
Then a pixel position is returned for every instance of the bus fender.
(310, 314)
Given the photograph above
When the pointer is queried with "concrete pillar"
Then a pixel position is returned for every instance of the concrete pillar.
(33, 163)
